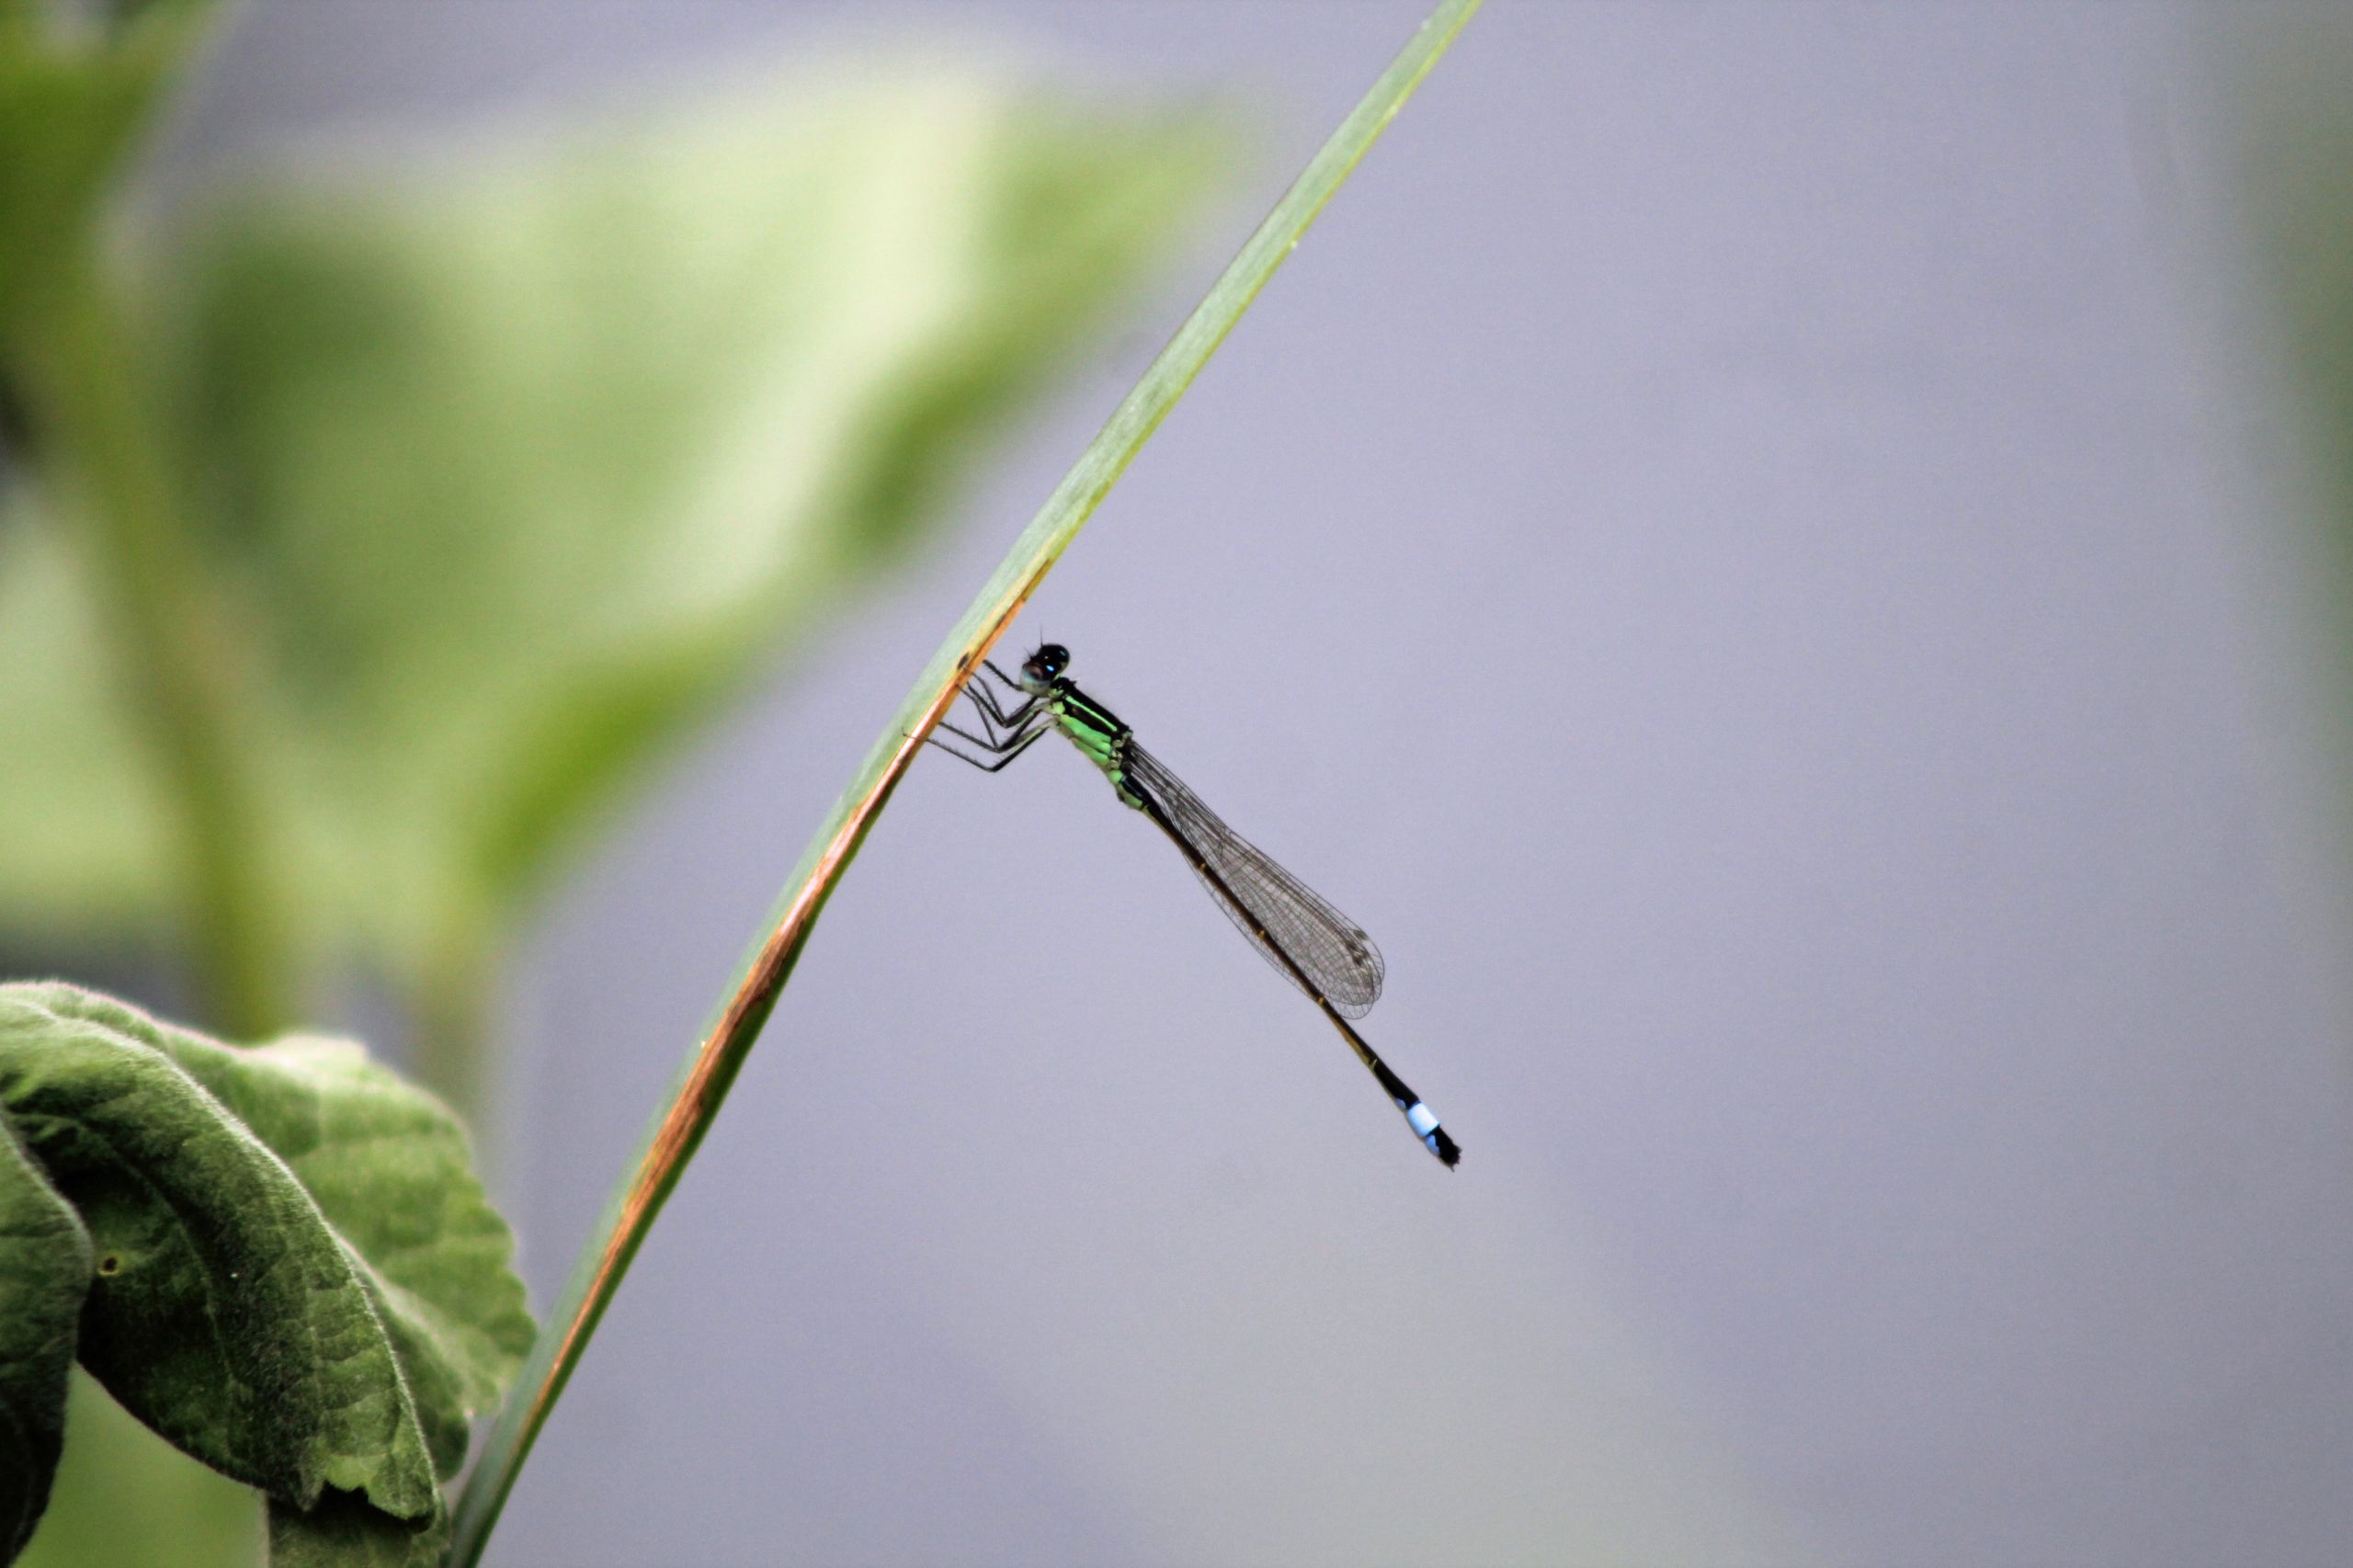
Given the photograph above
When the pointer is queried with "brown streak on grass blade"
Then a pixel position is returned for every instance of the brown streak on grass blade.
(711, 1068)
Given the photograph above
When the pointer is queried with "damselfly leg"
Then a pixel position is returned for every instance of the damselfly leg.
(978, 692)
(1005, 759)
(1023, 725)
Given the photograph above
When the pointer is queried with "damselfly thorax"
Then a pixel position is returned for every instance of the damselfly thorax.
(1096, 731)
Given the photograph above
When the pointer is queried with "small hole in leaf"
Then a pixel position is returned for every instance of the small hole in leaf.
(111, 1264)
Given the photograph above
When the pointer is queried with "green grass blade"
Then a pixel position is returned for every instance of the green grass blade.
(711, 1066)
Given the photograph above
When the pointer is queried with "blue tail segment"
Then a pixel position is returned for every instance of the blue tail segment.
(1424, 1122)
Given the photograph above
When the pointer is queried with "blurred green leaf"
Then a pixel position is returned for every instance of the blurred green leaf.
(2293, 121)
(515, 469)
(124, 1496)
(298, 1279)
(83, 831)
(73, 98)
(2295, 169)
(45, 1264)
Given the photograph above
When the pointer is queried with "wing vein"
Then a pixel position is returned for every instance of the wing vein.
(1330, 949)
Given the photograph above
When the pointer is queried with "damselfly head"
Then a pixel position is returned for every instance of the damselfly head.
(1039, 670)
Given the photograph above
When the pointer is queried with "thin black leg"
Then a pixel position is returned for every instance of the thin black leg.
(1002, 763)
(1001, 718)
(987, 701)
(997, 745)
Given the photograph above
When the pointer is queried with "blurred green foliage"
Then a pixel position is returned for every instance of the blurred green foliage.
(125, 1496)
(369, 529)
(520, 468)
(2293, 116)
(73, 103)
(2295, 170)
(505, 468)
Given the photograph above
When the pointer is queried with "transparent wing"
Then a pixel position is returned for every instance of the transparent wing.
(1328, 947)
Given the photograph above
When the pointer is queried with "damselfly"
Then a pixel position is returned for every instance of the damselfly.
(1310, 943)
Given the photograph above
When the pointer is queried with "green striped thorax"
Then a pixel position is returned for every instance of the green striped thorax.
(1094, 729)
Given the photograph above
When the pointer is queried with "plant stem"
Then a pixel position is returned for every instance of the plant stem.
(176, 660)
(711, 1067)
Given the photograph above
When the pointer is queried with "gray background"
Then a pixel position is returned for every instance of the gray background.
(1748, 550)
